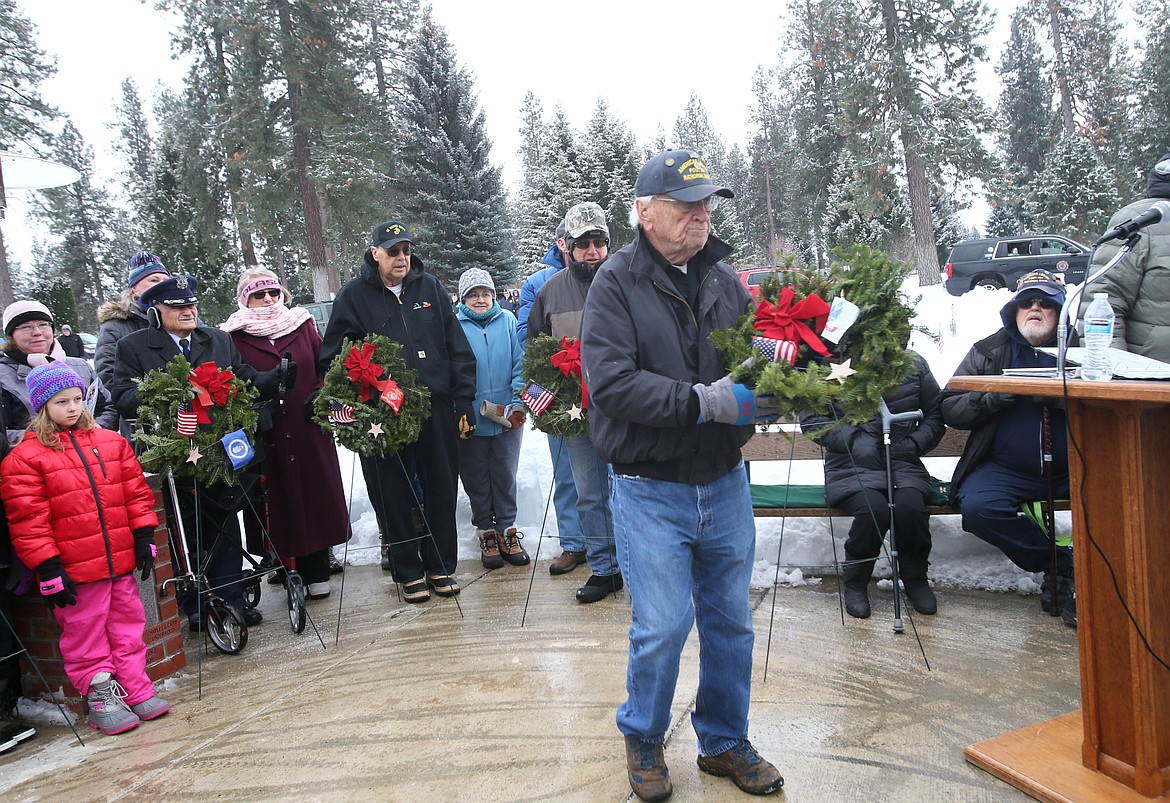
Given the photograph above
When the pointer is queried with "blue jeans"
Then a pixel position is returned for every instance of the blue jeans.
(989, 500)
(565, 497)
(591, 475)
(687, 552)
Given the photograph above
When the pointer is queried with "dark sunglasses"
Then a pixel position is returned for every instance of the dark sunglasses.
(398, 249)
(259, 295)
(597, 242)
(1045, 303)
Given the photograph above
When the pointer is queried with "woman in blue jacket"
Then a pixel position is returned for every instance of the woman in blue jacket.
(488, 460)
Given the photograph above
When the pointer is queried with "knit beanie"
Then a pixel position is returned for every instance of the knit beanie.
(1158, 182)
(46, 381)
(19, 312)
(472, 278)
(141, 265)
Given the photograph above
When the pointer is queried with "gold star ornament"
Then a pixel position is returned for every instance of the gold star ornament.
(376, 430)
(841, 370)
(575, 413)
(194, 455)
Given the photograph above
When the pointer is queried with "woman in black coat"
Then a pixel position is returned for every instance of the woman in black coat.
(855, 481)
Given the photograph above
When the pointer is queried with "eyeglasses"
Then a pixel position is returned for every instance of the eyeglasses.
(473, 294)
(35, 326)
(583, 243)
(398, 249)
(1045, 303)
(259, 295)
(710, 203)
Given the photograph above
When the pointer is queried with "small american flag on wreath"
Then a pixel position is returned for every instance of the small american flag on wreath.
(340, 413)
(188, 422)
(537, 398)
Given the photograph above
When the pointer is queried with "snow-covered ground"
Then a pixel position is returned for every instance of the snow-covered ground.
(802, 548)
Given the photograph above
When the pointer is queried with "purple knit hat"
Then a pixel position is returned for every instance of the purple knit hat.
(46, 381)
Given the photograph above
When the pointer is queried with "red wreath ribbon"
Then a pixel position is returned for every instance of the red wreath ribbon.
(212, 387)
(363, 371)
(786, 321)
(568, 361)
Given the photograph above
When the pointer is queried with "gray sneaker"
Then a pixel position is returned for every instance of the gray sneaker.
(108, 711)
(151, 708)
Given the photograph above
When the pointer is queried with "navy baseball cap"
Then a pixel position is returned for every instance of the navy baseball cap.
(681, 174)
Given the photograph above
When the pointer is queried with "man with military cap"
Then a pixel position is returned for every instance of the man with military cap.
(557, 311)
(395, 297)
(174, 329)
(667, 417)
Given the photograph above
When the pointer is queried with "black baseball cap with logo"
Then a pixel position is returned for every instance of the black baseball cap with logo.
(390, 233)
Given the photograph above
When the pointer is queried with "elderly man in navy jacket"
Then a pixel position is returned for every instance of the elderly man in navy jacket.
(667, 417)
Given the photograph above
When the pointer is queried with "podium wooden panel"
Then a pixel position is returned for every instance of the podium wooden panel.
(1121, 539)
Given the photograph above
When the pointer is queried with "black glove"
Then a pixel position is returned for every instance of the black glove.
(310, 400)
(289, 378)
(56, 587)
(465, 416)
(144, 551)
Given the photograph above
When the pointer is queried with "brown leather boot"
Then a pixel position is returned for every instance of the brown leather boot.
(646, 767)
(566, 562)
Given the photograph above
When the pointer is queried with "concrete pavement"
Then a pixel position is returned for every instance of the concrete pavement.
(436, 703)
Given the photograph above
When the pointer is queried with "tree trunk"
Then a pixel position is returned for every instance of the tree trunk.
(6, 294)
(247, 248)
(921, 220)
(303, 160)
(1066, 111)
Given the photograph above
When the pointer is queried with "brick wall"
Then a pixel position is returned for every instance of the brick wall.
(37, 628)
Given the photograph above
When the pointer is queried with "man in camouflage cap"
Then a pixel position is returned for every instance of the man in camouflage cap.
(557, 311)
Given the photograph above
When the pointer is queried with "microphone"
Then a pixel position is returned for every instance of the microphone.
(1159, 211)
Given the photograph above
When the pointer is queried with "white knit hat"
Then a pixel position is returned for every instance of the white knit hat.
(473, 278)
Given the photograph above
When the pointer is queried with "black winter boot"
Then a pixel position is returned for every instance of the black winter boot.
(912, 573)
(856, 589)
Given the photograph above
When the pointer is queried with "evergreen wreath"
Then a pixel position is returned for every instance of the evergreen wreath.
(565, 415)
(874, 346)
(201, 455)
(376, 429)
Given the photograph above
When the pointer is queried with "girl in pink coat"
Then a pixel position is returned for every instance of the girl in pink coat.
(81, 512)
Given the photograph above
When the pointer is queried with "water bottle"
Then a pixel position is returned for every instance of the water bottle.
(1098, 338)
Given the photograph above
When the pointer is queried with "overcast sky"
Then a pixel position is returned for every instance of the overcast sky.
(644, 57)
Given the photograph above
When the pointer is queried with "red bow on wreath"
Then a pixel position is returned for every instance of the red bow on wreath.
(212, 386)
(786, 321)
(363, 371)
(568, 360)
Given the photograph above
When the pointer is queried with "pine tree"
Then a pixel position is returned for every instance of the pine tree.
(23, 114)
(80, 217)
(1025, 113)
(1074, 194)
(910, 99)
(449, 191)
(1002, 221)
(1147, 136)
(612, 160)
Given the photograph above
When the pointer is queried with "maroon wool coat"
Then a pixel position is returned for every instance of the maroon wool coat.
(306, 500)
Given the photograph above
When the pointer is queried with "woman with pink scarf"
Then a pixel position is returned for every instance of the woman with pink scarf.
(298, 456)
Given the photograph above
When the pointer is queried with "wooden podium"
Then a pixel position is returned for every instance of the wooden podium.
(1118, 746)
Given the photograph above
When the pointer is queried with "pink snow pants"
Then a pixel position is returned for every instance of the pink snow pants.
(103, 633)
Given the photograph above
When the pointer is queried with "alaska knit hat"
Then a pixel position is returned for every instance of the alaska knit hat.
(472, 278)
(46, 381)
(141, 265)
(19, 312)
